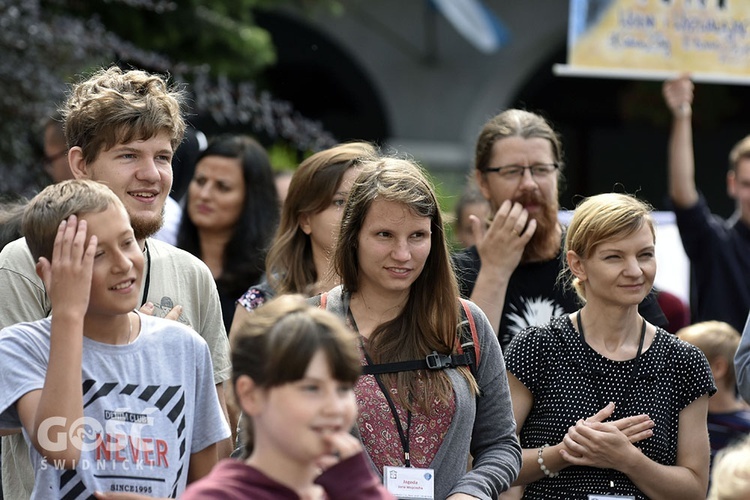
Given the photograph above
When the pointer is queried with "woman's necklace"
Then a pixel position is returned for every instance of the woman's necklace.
(592, 363)
(583, 336)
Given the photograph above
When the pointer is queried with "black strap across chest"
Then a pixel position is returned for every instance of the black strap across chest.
(468, 341)
(433, 361)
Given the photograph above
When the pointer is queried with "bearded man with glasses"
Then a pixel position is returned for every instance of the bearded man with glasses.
(512, 271)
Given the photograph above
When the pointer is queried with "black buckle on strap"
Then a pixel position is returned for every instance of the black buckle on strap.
(436, 361)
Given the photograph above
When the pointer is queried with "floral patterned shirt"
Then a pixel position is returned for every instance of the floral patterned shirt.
(378, 431)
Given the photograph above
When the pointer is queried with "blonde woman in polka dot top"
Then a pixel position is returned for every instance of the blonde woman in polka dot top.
(607, 405)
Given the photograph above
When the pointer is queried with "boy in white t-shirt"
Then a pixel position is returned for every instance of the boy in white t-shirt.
(141, 414)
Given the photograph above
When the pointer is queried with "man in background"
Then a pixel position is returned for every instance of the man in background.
(718, 249)
(511, 272)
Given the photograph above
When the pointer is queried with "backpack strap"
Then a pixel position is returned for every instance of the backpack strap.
(469, 340)
(433, 361)
(468, 352)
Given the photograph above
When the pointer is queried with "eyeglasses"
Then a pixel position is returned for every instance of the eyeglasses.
(48, 160)
(515, 172)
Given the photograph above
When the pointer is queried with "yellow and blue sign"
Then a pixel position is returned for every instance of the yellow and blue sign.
(642, 38)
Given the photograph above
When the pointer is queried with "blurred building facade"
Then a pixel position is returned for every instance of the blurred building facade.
(397, 72)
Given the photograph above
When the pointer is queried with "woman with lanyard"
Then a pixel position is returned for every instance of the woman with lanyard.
(607, 405)
(426, 407)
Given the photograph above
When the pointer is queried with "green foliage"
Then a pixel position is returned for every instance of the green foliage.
(213, 46)
(284, 158)
(191, 31)
(220, 32)
(448, 188)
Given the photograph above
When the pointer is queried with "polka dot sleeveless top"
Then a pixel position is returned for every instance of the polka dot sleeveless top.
(570, 381)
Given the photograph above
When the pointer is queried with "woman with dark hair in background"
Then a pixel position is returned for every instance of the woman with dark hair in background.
(231, 212)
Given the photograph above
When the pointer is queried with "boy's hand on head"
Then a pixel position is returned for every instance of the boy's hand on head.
(68, 277)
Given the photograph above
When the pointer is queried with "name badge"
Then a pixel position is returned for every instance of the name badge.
(410, 482)
(611, 497)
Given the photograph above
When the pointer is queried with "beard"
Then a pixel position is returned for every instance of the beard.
(145, 227)
(545, 243)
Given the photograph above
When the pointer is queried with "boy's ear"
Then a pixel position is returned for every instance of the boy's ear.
(42, 270)
(719, 367)
(250, 396)
(77, 163)
(38, 269)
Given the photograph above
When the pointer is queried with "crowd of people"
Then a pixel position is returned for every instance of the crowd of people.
(322, 341)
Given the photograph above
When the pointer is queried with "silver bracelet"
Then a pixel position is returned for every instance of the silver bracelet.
(544, 468)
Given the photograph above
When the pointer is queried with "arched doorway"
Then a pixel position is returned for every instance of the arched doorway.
(322, 81)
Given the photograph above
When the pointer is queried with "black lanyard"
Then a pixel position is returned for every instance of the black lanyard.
(404, 436)
(147, 278)
(636, 364)
(631, 377)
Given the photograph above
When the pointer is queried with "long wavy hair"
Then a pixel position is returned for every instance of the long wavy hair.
(245, 253)
(289, 264)
(431, 315)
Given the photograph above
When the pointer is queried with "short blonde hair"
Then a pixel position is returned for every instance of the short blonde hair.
(739, 151)
(730, 475)
(600, 218)
(716, 339)
(57, 202)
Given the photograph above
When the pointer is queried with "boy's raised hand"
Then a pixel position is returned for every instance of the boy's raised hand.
(68, 277)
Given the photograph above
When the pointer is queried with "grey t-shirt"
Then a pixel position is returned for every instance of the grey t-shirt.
(174, 277)
(147, 406)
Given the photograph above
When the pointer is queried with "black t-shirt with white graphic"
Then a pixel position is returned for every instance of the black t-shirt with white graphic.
(534, 296)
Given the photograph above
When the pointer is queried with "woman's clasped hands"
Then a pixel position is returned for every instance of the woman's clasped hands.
(595, 443)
